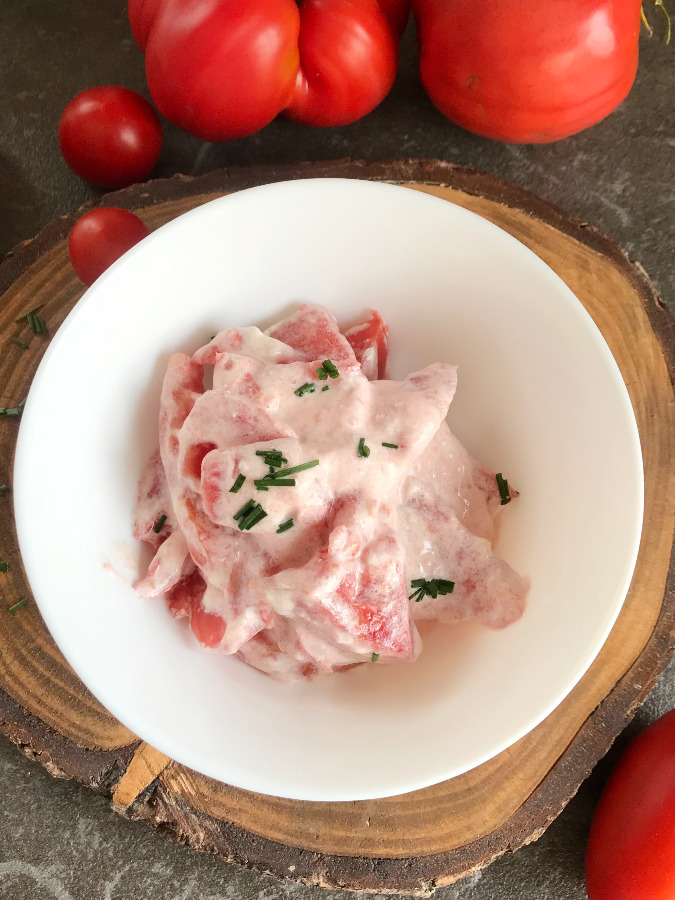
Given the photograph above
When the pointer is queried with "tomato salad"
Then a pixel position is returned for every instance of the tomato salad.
(306, 512)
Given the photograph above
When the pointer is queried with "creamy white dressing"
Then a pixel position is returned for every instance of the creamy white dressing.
(333, 589)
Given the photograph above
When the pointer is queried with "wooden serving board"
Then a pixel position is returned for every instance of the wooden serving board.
(422, 840)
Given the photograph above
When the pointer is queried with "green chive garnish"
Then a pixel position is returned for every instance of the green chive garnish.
(322, 373)
(432, 588)
(331, 368)
(3, 566)
(306, 388)
(4, 490)
(272, 458)
(295, 469)
(238, 481)
(160, 524)
(503, 486)
(263, 483)
(324, 388)
(375, 657)
(14, 412)
(245, 510)
(393, 446)
(363, 451)
(20, 343)
(255, 514)
(30, 312)
(35, 323)
(22, 602)
(444, 586)
(289, 523)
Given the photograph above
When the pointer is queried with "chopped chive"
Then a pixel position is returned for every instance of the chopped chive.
(238, 481)
(4, 490)
(431, 588)
(13, 412)
(393, 446)
(245, 510)
(331, 368)
(3, 566)
(295, 469)
(252, 518)
(503, 486)
(21, 602)
(289, 523)
(306, 388)
(20, 343)
(35, 323)
(324, 388)
(322, 373)
(272, 458)
(29, 312)
(160, 524)
(263, 483)
(375, 657)
(363, 451)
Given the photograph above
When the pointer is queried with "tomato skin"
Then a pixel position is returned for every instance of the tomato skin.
(100, 237)
(223, 70)
(110, 136)
(631, 847)
(348, 62)
(527, 71)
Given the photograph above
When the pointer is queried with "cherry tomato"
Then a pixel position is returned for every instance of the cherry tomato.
(527, 71)
(110, 136)
(100, 237)
(631, 847)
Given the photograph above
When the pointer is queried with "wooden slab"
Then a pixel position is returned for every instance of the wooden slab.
(419, 841)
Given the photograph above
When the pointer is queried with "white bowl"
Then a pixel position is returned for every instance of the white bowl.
(540, 398)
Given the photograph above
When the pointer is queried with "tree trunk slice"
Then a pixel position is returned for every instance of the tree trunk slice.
(428, 838)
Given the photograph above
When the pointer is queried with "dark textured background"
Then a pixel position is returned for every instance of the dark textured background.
(60, 841)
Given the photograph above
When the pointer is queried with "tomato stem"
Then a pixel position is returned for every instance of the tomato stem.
(661, 5)
(645, 22)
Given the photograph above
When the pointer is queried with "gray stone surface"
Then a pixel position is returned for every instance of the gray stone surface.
(59, 841)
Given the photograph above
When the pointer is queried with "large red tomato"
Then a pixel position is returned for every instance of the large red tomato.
(110, 136)
(223, 69)
(527, 71)
(631, 848)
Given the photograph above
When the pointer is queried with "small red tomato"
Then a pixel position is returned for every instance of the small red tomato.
(631, 847)
(100, 237)
(110, 136)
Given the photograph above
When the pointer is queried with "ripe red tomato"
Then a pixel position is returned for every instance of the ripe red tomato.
(352, 39)
(110, 136)
(100, 237)
(631, 848)
(222, 70)
(527, 71)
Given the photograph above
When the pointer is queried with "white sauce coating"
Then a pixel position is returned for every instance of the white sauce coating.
(332, 590)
